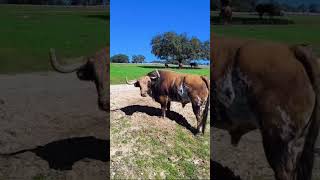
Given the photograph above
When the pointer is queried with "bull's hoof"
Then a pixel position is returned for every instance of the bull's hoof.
(198, 133)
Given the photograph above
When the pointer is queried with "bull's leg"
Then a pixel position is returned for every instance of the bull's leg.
(163, 110)
(163, 101)
(183, 104)
(196, 111)
(283, 147)
(237, 132)
(283, 159)
(168, 106)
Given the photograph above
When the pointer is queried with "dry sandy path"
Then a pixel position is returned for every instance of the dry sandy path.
(59, 113)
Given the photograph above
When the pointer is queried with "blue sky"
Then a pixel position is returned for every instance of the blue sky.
(133, 23)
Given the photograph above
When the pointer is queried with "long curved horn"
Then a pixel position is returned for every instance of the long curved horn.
(158, 73)
(130, 82)
(60, 68)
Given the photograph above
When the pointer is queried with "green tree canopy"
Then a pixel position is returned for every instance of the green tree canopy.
(138, 59)
(173, 47)
(120, 58)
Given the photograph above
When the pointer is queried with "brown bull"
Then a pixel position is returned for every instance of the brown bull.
(167, 86)
(94, 68)
(272, 87)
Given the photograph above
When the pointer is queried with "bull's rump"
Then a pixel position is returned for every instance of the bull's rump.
(278, 80)
(171, 86)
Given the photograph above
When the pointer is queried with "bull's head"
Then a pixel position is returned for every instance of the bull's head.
(146, 82)
(94, 68)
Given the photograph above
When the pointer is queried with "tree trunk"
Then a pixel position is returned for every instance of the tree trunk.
(180, 65)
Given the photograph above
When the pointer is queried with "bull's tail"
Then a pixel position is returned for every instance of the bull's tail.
(206, 109)
(305, 164)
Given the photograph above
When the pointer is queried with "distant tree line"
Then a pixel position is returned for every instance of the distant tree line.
(251, 5)
(57, 2)
(122, 58)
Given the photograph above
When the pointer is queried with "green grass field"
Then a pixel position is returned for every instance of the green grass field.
(173, 153)
(27, 33)
(304, 30)
(118, 72)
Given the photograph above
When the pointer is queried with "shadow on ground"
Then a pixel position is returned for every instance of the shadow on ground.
(163, 67)
(253, 20)
(151, 111)
(62, 154)
(220, 172)
(99, 16)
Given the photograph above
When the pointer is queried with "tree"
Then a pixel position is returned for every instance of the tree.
(205, 50)
(119, 58)
(313, 8)
(244, 5)
(302, 8)
(138, 59)
(272, 9)
(173, 47)
(213, 5)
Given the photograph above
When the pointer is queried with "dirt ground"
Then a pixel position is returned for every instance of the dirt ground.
(247, 161)
(143, 145)
(54, 121)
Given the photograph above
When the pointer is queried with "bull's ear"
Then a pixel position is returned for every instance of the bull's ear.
(136, 84)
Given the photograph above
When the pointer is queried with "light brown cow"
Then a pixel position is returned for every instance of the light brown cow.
(167, 86)
(272, 87)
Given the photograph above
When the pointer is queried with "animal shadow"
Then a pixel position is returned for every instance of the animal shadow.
(62, 154)
(220, 172)
(151, 111)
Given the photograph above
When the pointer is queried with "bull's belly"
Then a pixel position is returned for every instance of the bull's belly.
(239, 115)
(184, 98)
(182, 101)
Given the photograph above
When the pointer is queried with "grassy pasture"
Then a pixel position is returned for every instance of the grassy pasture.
(118, 72)
(175, 154)
(27, 32)
(305, 29)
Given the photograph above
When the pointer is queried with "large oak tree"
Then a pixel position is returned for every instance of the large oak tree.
(173, 47)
